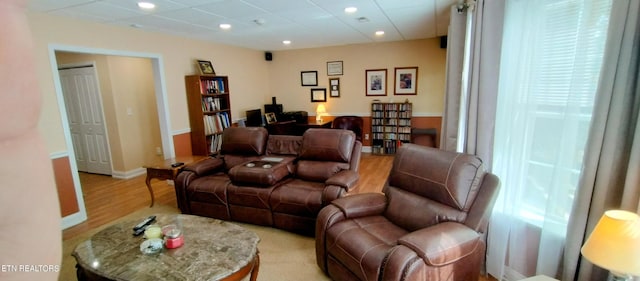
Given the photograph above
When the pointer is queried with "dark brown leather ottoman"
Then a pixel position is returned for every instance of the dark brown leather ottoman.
(261, 173)
(251, 186)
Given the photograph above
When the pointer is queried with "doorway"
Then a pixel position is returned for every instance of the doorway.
(81, 90)
(161, 104)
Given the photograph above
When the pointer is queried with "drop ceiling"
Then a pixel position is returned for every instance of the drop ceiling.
(265, 24)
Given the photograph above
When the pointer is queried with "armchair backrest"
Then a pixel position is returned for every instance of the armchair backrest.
(427, 186)
(353, 123)
(241, 144)
(325, 152)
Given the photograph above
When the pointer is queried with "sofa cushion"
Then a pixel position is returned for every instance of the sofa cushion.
(454, 179)
(247, 141)
(425, 212)
(318, 171)
(327, 145)
(302, 198)
(209, 189)
(283, 145)
(376, 236)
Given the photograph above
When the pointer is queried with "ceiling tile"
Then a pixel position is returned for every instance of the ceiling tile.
(263, 24)
(230, 9)
(192, 15)
(48, 5)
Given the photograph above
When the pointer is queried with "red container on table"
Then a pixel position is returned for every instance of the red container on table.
(172, 236)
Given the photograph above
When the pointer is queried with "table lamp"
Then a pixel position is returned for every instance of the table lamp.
(614, 244)
(319, 111)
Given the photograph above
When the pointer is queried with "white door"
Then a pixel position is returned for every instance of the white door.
(86, 122)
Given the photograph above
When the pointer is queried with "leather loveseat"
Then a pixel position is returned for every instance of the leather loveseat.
(428, 224)
(272, 180)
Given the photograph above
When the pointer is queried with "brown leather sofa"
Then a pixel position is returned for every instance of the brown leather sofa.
(272, 180)
(428, 224)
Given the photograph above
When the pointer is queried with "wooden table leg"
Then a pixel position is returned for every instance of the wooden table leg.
(256, 268)
(148, 182)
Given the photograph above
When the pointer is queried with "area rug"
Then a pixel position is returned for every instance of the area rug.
(283, 255)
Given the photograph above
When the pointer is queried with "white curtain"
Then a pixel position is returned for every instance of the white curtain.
(551, 57)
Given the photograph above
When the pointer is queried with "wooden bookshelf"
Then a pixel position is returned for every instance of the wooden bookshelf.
(209, 105)
(390, 126)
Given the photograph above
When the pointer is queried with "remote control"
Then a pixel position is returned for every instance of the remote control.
(139, 231)
(144, 223)
(177, 164)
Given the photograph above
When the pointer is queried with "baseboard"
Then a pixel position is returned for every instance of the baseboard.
(129, 174)
(73, 219)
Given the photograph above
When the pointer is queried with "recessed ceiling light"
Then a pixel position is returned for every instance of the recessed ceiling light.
(379, 33)
(286, 42)
(146, 5)
(350, 10)
(225, 26)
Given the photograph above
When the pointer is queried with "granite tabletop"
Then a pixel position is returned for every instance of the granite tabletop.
(212, 250)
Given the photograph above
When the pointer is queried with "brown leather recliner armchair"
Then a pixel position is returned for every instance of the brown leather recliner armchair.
(353, 123)
(327, 169)
(428, 224)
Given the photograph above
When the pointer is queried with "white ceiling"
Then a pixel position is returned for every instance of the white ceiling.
(264, 24)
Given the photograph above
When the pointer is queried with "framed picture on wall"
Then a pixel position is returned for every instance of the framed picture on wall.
(318, 95)
(406, 80)
(376, 82)
(334, 87)
(334, 68)
(309, 78)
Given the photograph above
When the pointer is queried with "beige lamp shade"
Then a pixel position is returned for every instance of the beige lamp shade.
(614, 243)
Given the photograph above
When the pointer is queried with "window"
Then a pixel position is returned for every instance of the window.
(552, 52)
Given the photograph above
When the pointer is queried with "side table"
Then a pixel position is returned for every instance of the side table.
(163, 170)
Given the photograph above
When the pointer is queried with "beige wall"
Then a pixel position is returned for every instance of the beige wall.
(253, 81)
(284, 76)
(136, 113)
(246, 68)
(125, 83)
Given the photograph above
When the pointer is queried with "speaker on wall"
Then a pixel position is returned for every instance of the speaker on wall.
(268, 56)
(443, 42)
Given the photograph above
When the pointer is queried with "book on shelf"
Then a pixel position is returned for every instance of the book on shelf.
(216, 123)
(215, 143)
(211, 104)
(212, 85)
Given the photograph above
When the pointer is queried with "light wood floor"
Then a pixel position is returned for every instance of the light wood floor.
(107, 199)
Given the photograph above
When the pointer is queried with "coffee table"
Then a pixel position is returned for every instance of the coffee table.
(213, 250)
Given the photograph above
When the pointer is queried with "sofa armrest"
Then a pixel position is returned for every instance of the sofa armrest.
(356, 205)
(345, 178)
(360, 205)
(204, 167)
(443, 243)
